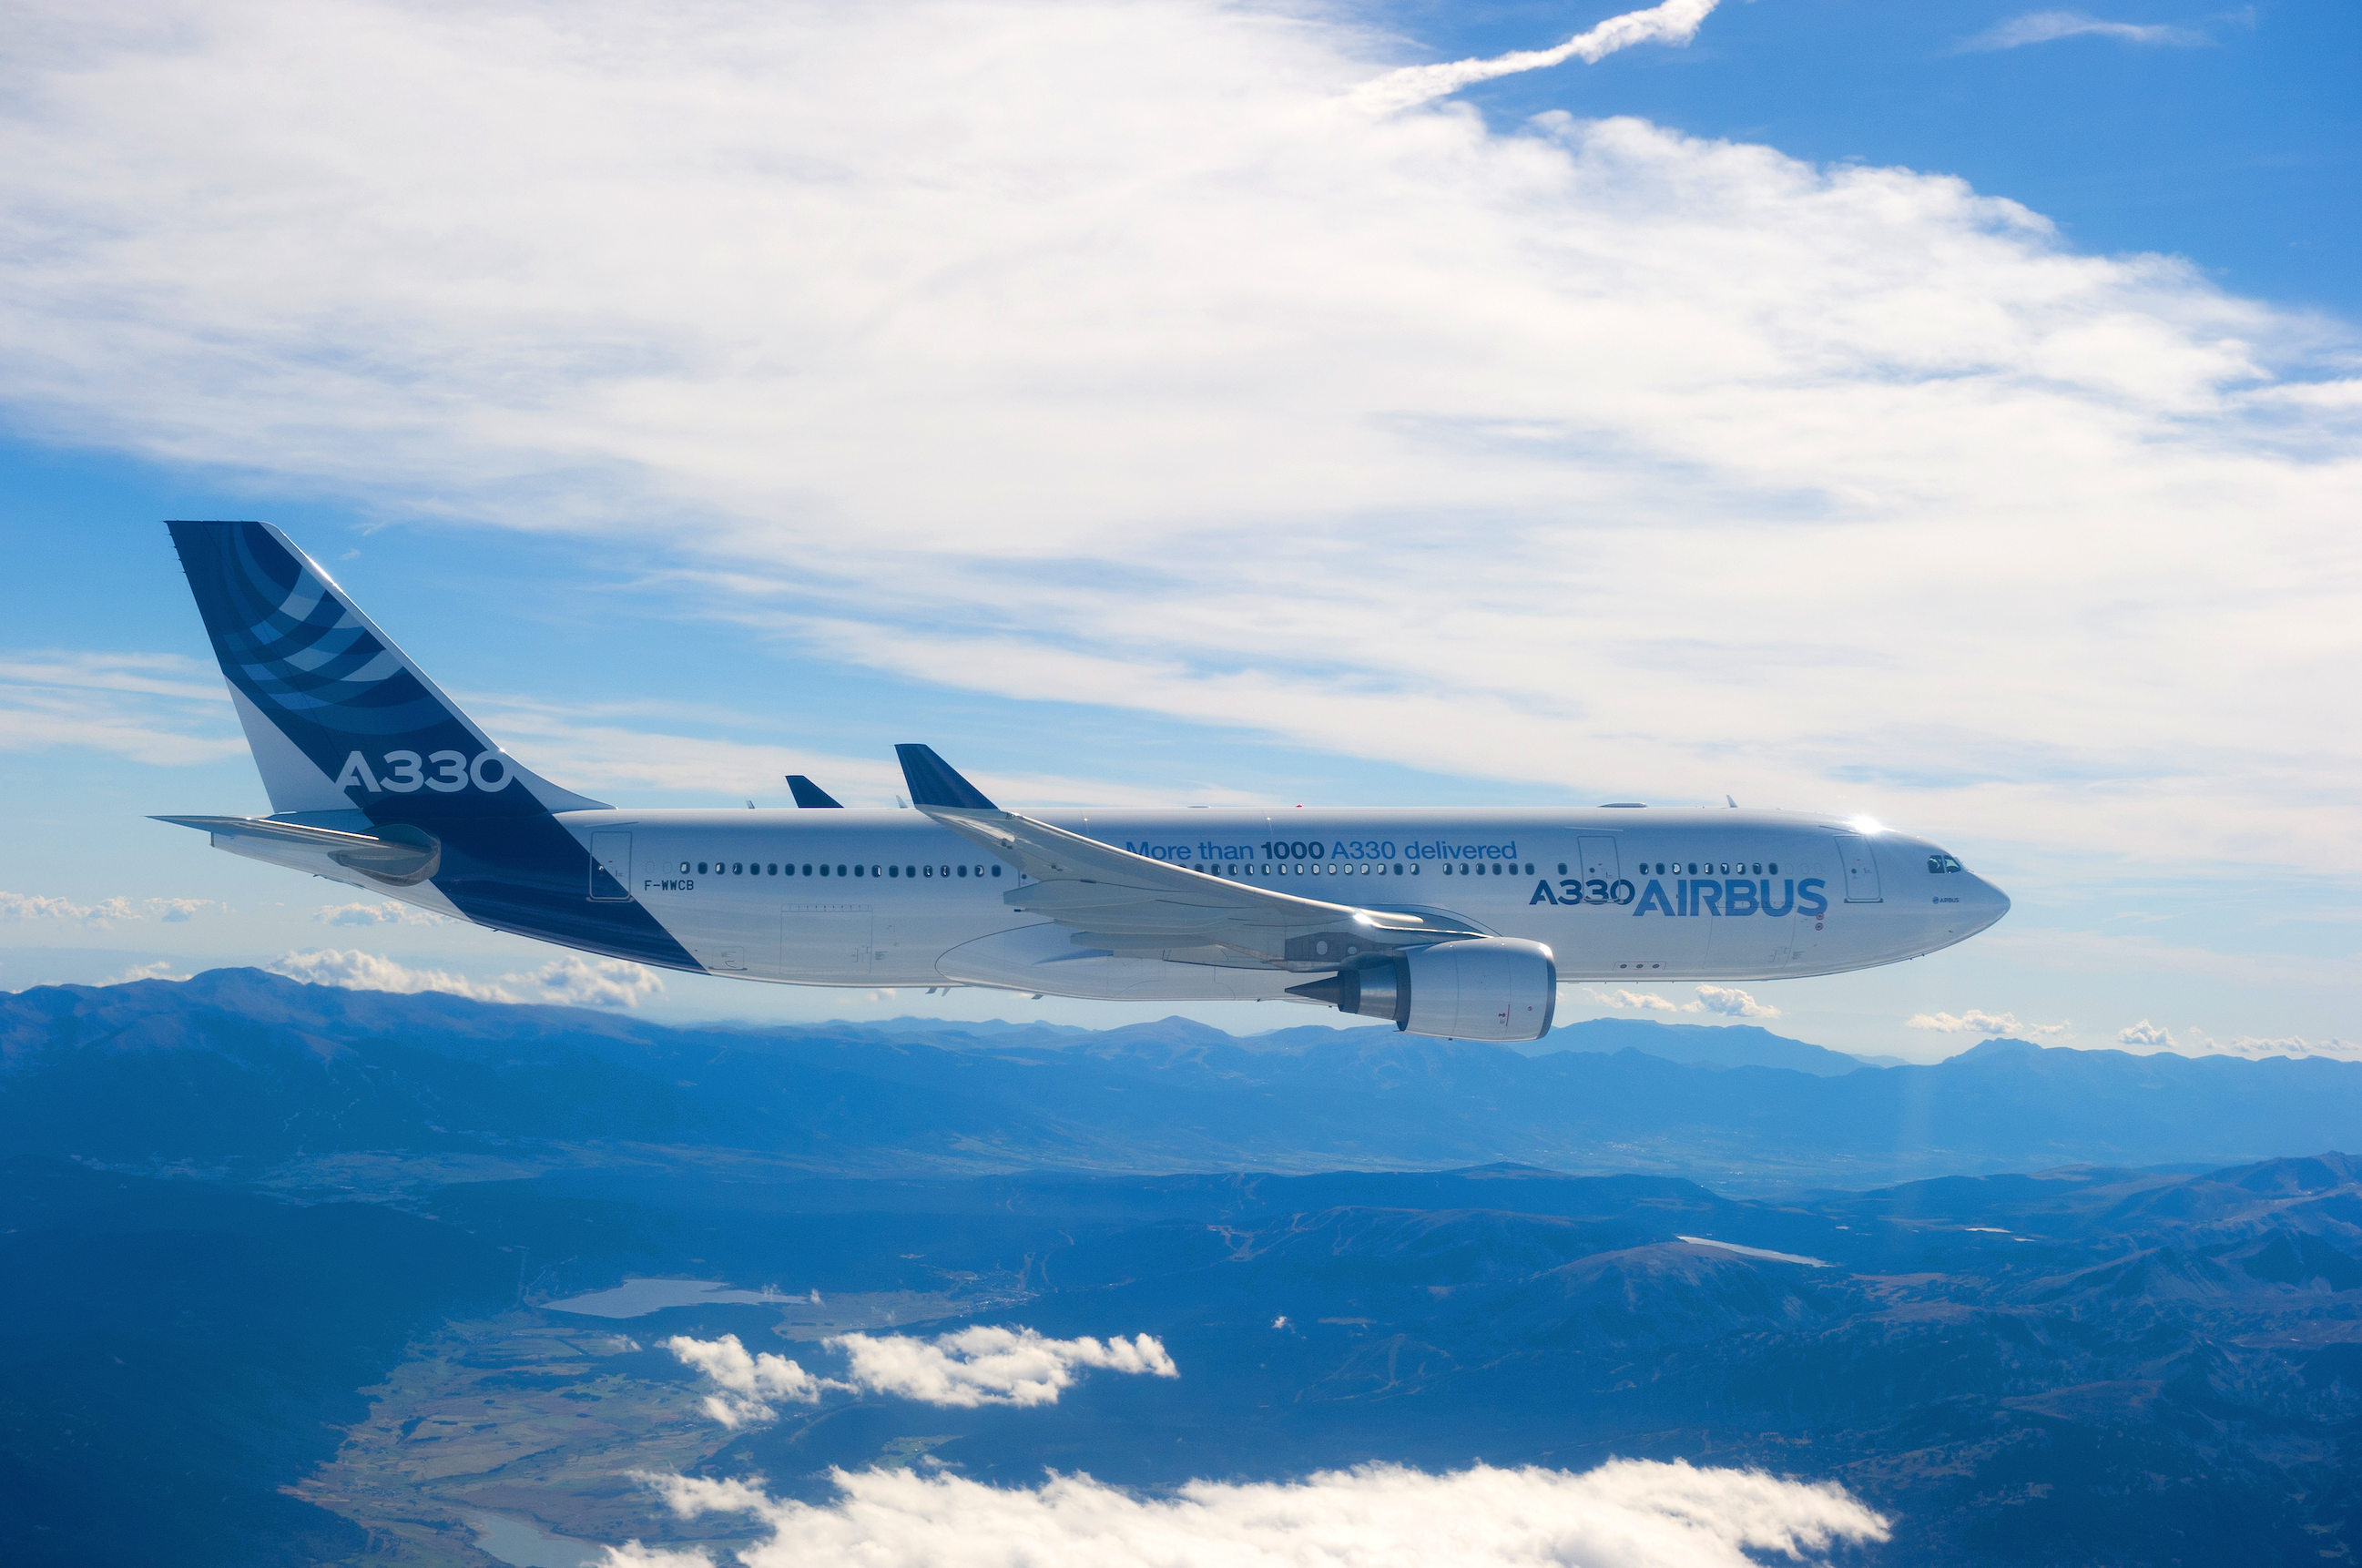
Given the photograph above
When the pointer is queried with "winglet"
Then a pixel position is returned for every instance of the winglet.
(811, 796)
(932, 782)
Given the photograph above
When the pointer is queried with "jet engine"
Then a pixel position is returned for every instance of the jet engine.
(1489, 987)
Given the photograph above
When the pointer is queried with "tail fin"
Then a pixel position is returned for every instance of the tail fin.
(338, 718)
(811, 796)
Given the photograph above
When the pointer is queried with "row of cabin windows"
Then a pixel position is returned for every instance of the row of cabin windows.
(1362, 869)
(1702, 868)
(760, 869)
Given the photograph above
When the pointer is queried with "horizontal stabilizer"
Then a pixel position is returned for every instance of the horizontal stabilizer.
(399, 856)
(933, 783)
(811, 796)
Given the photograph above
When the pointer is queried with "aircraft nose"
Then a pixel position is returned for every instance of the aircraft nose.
(1991, 903)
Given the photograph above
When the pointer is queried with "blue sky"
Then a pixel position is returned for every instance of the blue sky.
(1133, 424)
(2235, 139)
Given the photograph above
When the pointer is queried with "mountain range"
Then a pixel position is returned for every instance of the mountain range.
(308, 1275)
(240, 1065)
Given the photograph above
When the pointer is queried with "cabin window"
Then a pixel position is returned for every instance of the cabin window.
(893, 870)
(1775, 868)
(839, 871)
(910, 870)
(737, 868)
(857, 870)
(996, 870)
(963, 870)
(684, 867)
(701, 868)
(771, 870)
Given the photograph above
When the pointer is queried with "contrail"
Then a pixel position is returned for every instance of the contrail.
(1674, 22)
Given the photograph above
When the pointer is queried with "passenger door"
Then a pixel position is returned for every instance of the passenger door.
(1860, 863)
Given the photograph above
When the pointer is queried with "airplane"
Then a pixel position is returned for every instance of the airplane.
(1458, 925)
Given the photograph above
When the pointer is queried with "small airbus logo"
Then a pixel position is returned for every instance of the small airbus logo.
(444, 772)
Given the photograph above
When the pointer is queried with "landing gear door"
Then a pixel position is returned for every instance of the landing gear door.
(1860, 865)
(611, 867)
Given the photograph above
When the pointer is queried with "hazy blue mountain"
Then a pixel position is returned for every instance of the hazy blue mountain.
(248, 1218)
(1722, 1045)
(2084, 1365)
(237, 1065)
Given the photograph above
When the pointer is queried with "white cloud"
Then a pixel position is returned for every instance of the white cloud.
(1625, 1514)
(1647, 1001)
(1735, 1003)
(2291, 1046)
(570, 980)
(594, 750)
(386, 911)
(1728, 1000)
(102, 916)
(964, 1369)
(162, 709)
(1675, 22)
(40, 905)
(752, 1386)
(2195, 1042)
(1062, 350)
(2045, 27)
(993, 1365)
(161, 969)
(1976, 1020)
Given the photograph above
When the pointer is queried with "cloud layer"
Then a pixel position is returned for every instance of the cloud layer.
(102, 915)
(384, 912)
(1106, 353)
(2048, 26)
(964, 1369)
(1977, 1020)
(568, 981)
(1626, 1514)
(993, 1365)
(1728, 1000)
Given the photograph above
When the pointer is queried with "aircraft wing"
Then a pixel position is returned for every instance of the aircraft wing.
(1125, 902)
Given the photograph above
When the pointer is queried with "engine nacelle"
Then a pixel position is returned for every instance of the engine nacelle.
(1488, 987)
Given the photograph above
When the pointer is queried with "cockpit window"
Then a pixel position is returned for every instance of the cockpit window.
(1942, 862)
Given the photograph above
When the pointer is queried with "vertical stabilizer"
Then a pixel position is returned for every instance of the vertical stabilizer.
(337, 717)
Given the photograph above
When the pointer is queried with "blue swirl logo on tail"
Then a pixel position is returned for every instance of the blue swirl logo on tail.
(313, 668)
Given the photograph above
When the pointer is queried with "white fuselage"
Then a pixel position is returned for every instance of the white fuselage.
(889, 898)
